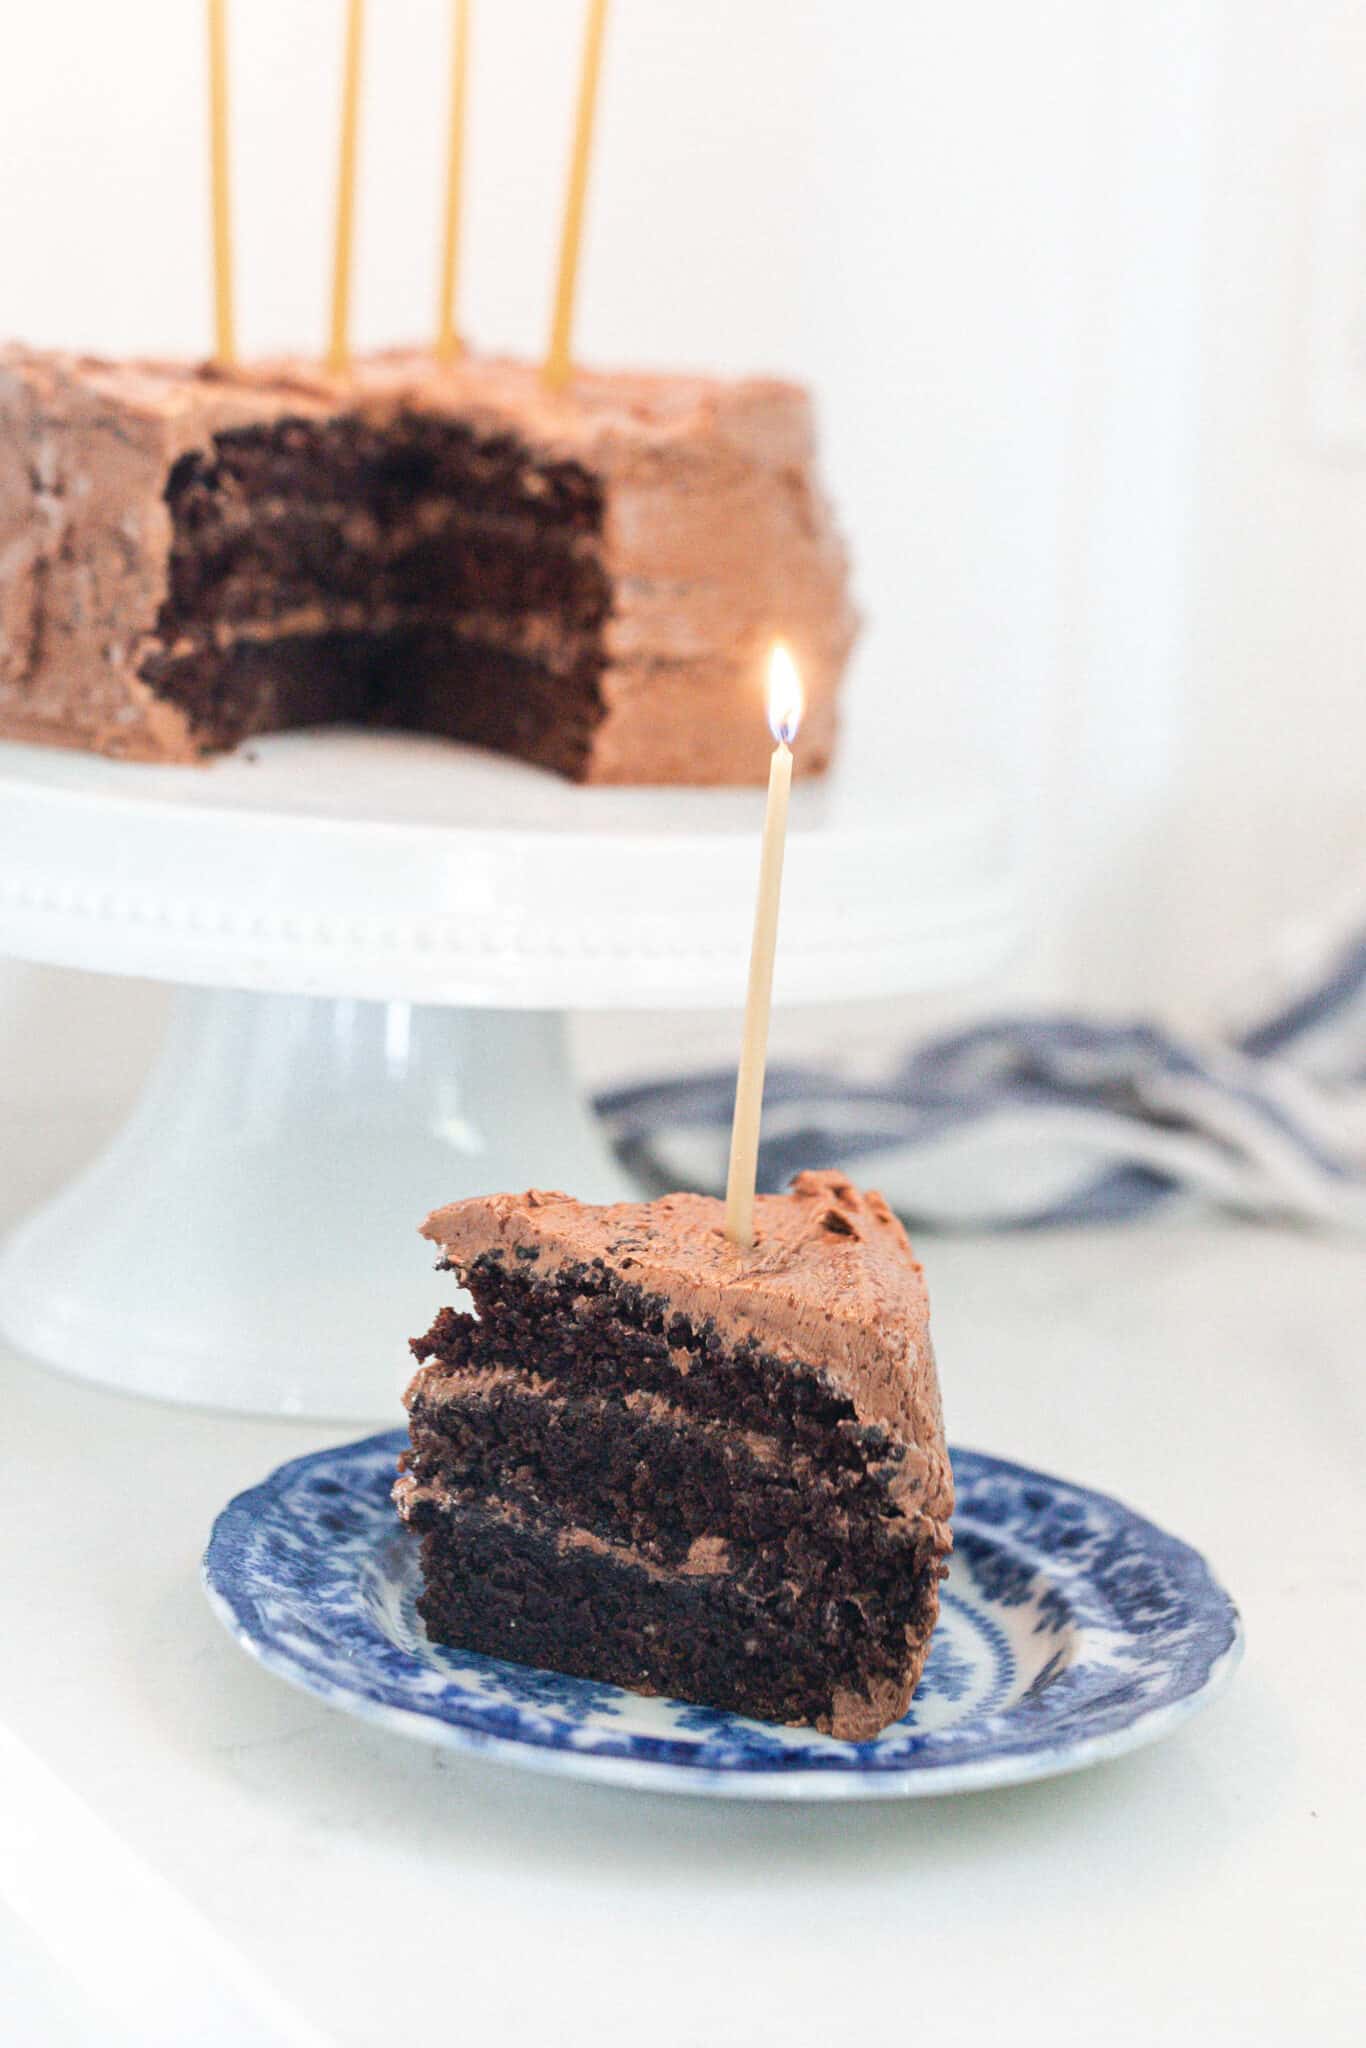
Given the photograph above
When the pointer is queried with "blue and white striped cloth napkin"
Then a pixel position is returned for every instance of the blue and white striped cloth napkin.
(1054, 1119)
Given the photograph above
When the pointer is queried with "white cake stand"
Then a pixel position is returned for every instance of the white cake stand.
(374, 940)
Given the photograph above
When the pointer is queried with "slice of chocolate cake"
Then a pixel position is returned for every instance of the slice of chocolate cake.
(588, 580)
(656, 1460)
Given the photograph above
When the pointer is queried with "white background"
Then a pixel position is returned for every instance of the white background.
(1049, 268)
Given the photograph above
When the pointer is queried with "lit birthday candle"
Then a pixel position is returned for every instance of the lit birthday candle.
(784, 717)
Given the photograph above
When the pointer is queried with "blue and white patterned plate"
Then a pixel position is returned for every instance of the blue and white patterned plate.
(1071, 1630)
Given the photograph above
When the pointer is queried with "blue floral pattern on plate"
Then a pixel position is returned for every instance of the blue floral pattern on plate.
(1071, 1630)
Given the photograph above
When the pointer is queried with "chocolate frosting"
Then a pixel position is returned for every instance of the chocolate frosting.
(831, 1283)
(716, 538)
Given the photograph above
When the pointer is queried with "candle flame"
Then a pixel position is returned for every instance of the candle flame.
(785, 700)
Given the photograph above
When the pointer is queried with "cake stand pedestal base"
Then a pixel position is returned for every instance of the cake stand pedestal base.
(249, 1239)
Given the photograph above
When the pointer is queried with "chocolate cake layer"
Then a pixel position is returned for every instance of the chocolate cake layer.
(661, 1449)
(585, 1327)
(588, 580)
(510, 1587)
(641, 1472)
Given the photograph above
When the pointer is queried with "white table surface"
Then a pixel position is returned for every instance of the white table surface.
(213, 1857)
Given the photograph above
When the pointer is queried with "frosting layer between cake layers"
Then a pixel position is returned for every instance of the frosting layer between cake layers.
(590, 580)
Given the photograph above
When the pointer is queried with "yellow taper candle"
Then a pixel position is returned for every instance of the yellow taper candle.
(339, 345)
(558, 357)
(447, 332)
(220, 199)
(784, 717)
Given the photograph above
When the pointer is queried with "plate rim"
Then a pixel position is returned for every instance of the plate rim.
(774, 1780)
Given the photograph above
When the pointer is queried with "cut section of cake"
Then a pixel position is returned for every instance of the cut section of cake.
(653, 1459)
(589, 581)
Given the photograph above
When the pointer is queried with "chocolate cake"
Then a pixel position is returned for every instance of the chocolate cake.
(587, 580)
(659, 1461)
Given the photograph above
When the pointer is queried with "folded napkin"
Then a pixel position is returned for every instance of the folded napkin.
(1057, 1119)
